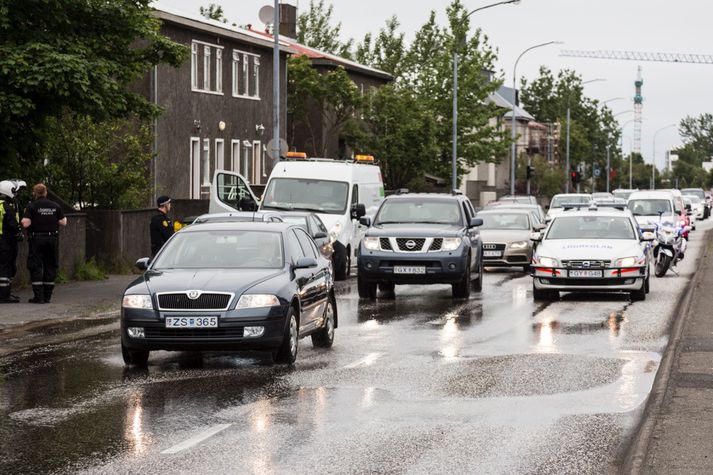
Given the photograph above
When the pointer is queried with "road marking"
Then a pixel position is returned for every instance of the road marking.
(197, 439)
(366, 361)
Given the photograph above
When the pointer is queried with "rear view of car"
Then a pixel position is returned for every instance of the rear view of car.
(506, 237)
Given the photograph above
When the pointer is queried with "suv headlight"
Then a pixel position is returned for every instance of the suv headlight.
(451, 244)
(519, 245)
(137, 301)
(372, 243)
(547, 262)
(257, 301)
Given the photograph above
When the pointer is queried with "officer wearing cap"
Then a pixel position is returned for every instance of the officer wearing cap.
(9, 236)
(161, 227)
(42, 220)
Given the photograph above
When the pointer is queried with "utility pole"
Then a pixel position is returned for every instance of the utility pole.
(276, 86)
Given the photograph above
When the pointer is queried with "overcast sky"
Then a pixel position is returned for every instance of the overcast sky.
(671, 91)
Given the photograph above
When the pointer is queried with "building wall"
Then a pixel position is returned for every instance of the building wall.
(197, 116)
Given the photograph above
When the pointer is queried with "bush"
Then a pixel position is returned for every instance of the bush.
(89, 270)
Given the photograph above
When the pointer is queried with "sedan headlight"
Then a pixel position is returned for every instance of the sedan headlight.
(257, 301)
(451, 244)
(519, 245)
(372, 243)
(547, 262)
(137, 301)
(626, 262)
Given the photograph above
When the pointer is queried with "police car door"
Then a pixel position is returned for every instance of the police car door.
(226, 191)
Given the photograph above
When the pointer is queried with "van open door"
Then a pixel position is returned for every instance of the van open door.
(231, 192)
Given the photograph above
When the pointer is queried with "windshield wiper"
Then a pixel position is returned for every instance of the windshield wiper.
(281, 208)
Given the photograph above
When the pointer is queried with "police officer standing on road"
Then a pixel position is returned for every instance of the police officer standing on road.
(42, 220)
(9, 235)
(161, 227)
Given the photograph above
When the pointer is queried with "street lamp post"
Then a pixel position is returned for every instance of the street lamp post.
(566, 167)
(513, 123)
(653, 158)
(276, 85)
(454, 177)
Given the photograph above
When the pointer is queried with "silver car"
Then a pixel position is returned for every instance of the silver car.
(506, 237)
(592, 250)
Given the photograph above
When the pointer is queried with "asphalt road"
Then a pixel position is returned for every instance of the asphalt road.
(418, 383)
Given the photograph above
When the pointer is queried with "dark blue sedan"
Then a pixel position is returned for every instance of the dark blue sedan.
(231, 286)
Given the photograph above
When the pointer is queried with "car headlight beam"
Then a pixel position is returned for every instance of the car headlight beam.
(519, 245)
(137, 301)
(257, 301)
(547, 262)
(451, 244)
(627, 262)
(372, 243)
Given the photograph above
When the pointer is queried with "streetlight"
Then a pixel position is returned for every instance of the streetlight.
(612, 100)
(454, 178)
(566, 167)
(653, 159)
(623, 112)
(513, 132)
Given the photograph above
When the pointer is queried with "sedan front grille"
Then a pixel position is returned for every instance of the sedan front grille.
(181, 301)
(182, 334)
(585, 264)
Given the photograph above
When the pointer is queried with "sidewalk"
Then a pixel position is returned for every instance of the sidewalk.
(676, 433)
(75, 306)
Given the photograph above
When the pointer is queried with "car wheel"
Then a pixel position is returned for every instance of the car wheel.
(647, 283)
(478, 282)
(544, 295)
(134, 357)
(461, 290)
(287, 353)
(367, 290)
(325, 337)
(341, 262)
(639, 295)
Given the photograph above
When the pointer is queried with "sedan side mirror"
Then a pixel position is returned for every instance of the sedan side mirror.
(536, 237)
(143, 263)
(319, 236)
(365, 221)
(539, 226)
(476, 222)
(305, 263)
(358, 210)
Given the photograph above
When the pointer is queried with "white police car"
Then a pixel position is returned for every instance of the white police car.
(591, 249)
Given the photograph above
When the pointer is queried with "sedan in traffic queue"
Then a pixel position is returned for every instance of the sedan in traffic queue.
(421, 239)
(592, 250)
(506, 237)
(313, 224)
(230, 286)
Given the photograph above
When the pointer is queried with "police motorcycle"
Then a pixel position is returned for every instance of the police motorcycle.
(669, 245)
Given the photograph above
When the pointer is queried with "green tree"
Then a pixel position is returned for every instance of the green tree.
(214, 12)
(72, 55)
(316, 29)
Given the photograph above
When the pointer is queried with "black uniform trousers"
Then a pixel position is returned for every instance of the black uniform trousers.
(43, 259)
(8, 264)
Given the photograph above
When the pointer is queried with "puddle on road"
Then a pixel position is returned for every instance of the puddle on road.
(545, 329)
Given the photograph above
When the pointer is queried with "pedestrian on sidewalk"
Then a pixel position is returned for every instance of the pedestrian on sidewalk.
(9, 234)
(42, 220)
(161, 227)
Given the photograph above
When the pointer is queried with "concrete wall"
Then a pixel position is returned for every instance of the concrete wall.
(72, 245)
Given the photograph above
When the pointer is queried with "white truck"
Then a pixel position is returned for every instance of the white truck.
(338, 191)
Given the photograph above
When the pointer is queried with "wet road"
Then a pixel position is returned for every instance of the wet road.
(418, 383)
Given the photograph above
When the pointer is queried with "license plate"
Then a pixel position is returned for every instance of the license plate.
(586, 273)
(191, 322)
(409, 270)
(492, 253)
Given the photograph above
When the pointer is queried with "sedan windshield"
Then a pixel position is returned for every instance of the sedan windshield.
(320, 196)
(591, 227)
(222, 250)
(558, 201)
(504, 221)
(419, 211)
(694, 192)
(649, 207)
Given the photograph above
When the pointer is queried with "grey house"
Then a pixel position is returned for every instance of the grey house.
(217, 107)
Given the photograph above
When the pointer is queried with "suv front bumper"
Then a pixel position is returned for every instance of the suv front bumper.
(442, 267)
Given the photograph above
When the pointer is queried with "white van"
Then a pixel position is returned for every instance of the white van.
(340, 192)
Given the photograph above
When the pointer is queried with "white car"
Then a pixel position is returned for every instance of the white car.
(698, 206)
(591, 250)
(558, 201)
(691, 211)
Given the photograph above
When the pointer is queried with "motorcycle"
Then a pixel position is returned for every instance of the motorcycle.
(669, 247)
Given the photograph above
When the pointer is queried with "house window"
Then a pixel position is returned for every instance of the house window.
(195, 167)
(235, 155)
(246, 75)
(246, 163)
(205, 164)
(219, 155)
(206, 68)
(211, 57)
(257, 159)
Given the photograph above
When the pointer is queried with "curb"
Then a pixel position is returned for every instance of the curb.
(636, 455)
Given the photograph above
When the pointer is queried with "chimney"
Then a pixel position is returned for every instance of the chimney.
(288, 20)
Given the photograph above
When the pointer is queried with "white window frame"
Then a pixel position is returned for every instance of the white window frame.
(235, 159)
(195, 59)
(243, 73)
(263, 164)
(246, 156)
(219, 159)
(205, 152)
(257, 162)
(195, 191)
(219, 70)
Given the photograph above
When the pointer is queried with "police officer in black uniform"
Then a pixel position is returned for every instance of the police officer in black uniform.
(9, 234)
(42, 220)
(161, 227)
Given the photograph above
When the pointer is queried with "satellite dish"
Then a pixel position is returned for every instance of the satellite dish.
(283, 149)
(267, 14)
